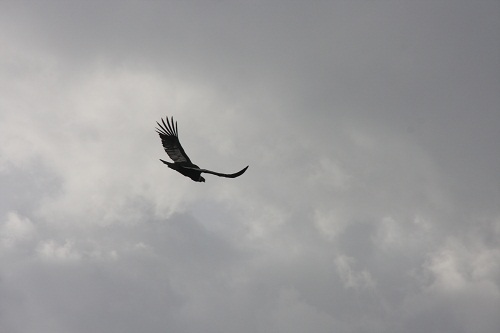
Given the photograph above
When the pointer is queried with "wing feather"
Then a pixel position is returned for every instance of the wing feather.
(170, 141)
(230, 175)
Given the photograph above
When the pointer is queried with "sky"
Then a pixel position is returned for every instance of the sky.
(372, 198)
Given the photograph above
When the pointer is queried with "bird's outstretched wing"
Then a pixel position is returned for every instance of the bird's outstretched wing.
(231, 175)
(170, 140)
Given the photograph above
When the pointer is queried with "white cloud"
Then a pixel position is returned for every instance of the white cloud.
(16, 231)
(458, 266)
(50, 250)
(350, 277)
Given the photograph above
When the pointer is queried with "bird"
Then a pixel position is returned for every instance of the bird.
(169, 136)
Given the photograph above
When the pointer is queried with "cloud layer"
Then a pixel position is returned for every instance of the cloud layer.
(372, 199)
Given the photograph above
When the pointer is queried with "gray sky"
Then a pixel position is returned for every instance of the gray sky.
(372, 200)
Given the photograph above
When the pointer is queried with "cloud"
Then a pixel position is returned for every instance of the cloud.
(15, 230)
(370, 203)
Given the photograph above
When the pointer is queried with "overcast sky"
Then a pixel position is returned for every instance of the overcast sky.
(372, 200)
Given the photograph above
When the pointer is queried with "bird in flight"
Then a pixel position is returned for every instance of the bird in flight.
(169, 136)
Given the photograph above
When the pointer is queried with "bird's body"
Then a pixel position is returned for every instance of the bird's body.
(186, 170)
(170, 140)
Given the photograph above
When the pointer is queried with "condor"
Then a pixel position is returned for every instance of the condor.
(169, 136)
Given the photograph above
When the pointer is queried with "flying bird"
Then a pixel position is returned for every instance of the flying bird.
(169, 136)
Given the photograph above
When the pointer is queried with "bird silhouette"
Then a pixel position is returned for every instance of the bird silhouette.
(169, 136)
